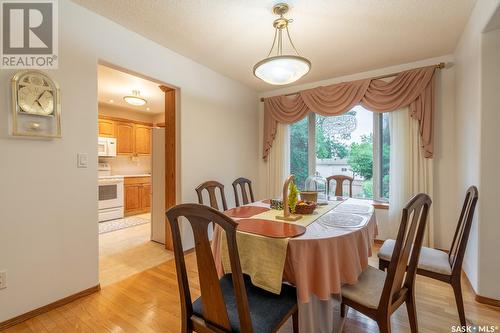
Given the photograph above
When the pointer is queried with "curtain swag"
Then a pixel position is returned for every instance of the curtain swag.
(413, 88)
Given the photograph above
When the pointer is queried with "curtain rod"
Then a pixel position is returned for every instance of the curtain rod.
(441, 65)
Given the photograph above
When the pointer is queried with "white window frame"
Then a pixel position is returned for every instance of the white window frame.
(377, 158)
(377, 152)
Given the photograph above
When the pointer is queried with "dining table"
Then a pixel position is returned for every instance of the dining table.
(317, 254)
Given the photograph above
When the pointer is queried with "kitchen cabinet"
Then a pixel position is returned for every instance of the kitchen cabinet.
(132, 137)
(142, 139)
(137, 195)
(146, 196)
(106, 128)
(125, 137)
(132, 198)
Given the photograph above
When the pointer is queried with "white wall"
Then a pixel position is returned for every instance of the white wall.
(445, 206)
(489, 228)
(468, 126)
(48, 214)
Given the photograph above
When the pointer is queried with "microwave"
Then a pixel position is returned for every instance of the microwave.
(106, 147)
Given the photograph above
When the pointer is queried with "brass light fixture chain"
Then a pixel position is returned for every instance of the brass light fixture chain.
(280, 42)
(291, 43)
(274, 42)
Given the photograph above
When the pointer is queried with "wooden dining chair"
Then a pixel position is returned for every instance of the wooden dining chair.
(378, 294)
(232, 303)
(211, 186)
(439, 265)
(243, 183)
(339, 187)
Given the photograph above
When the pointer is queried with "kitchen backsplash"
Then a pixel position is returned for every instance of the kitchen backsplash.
(127, 165)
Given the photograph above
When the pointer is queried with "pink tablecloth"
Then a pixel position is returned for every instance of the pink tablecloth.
(324, 258)
(319, 266)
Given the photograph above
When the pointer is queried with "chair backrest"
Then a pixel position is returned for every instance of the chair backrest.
(243, 183)
(459, 244)
(408, 245)
(339, 180)
(211, 187)
(215, 315)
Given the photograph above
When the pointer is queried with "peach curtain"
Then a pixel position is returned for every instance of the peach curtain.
(413, 88)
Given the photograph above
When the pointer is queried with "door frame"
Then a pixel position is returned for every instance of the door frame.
(170, 156)
(172, 142)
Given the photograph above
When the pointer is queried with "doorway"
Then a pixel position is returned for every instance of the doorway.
(135, 173)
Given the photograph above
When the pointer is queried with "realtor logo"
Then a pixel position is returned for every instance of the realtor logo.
(29, 34)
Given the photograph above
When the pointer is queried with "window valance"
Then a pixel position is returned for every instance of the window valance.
(413, 88)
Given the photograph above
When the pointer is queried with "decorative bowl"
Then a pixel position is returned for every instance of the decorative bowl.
(305, 207)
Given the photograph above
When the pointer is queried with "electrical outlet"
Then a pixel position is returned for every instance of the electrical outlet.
(3, 280)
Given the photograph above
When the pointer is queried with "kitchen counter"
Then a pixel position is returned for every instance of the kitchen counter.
(142, 175)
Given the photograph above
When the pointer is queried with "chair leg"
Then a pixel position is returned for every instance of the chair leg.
(295, 322)
(412, 312)
(384, 325)
(342, 310)
(457, 289)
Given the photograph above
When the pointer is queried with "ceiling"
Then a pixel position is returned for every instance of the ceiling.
(113, 85)
(494, 22)
(339, 37)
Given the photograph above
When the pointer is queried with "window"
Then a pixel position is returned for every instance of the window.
(299, 154)
(385, 156)
(356, 144)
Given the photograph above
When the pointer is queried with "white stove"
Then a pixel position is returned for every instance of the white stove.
(110, 188)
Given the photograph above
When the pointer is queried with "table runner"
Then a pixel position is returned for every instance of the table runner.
(265, 266)
(305, 220)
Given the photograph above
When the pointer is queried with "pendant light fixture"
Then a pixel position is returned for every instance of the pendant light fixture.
(278, 68)
(135, 99)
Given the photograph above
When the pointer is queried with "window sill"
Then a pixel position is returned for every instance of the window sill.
(376, 204)
(379, 204)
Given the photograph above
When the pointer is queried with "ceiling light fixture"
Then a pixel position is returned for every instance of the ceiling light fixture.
(135, 99)
(281, 69)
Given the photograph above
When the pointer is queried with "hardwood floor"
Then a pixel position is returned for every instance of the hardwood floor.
(149, 302)
(125, 252)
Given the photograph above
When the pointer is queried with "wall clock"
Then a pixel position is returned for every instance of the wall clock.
(36, 107)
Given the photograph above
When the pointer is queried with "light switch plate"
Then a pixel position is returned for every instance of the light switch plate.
(82, 160)
(3, 280)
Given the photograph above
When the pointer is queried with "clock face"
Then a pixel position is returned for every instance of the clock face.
(35, 96)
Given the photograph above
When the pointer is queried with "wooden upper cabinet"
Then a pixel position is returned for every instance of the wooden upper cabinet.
(142, 139)
(132, 137)
(106, 128)
(125, 138)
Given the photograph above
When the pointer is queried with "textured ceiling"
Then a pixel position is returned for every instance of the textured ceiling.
(339, 37)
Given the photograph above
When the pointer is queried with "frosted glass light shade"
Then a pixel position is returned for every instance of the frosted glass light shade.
(134, 100)
(282, 69)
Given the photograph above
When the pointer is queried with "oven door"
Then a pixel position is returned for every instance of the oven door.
(110, 193)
